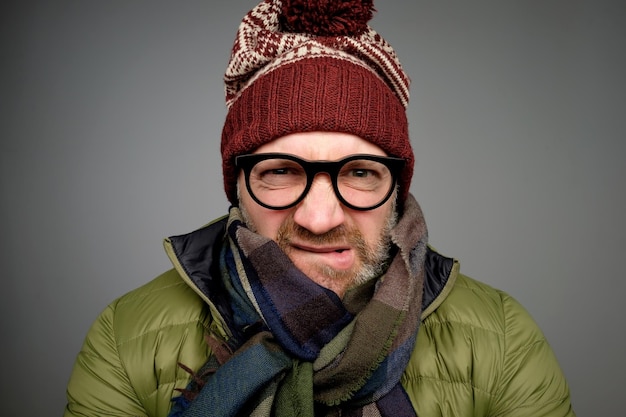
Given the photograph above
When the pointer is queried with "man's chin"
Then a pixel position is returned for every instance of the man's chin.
(336, 280)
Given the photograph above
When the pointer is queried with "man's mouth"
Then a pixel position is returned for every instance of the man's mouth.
(320, 249)
(338, 257)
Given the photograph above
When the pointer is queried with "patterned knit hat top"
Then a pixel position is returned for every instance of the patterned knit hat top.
(313, 65)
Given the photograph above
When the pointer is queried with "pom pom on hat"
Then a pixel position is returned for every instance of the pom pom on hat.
(327, 17)
(313, 65)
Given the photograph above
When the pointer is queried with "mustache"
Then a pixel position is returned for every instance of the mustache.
(341, 234)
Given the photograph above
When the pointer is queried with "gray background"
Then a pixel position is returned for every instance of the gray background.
(110, 118)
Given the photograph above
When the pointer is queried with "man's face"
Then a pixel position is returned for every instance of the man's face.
(337, 247)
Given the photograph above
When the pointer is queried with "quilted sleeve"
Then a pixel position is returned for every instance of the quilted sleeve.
(99, 385)
(531, 382)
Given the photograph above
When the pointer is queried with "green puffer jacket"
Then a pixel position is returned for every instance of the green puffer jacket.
(478, 352)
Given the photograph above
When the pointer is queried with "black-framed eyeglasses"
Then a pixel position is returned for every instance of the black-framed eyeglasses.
(279, 181)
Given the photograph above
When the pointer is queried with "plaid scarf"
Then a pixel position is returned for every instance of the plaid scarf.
(296, 348)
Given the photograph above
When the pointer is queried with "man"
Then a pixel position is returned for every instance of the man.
(318, 293)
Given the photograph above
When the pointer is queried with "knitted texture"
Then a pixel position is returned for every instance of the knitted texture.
(301, 66)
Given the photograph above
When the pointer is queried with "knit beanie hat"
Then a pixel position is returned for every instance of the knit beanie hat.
(313, 65)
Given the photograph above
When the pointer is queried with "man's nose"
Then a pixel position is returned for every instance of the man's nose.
(320, 211)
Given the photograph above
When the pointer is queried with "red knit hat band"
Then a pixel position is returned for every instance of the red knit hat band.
(318, 94)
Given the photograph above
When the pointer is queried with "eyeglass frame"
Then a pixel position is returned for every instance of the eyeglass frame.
(312, 168)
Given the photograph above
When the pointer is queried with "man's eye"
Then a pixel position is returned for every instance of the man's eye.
(279, 171)
(361, 173)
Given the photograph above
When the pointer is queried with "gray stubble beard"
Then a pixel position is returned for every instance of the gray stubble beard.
(374, 261)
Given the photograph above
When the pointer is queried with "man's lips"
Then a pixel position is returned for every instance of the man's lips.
(340, 257)
(320, 249)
